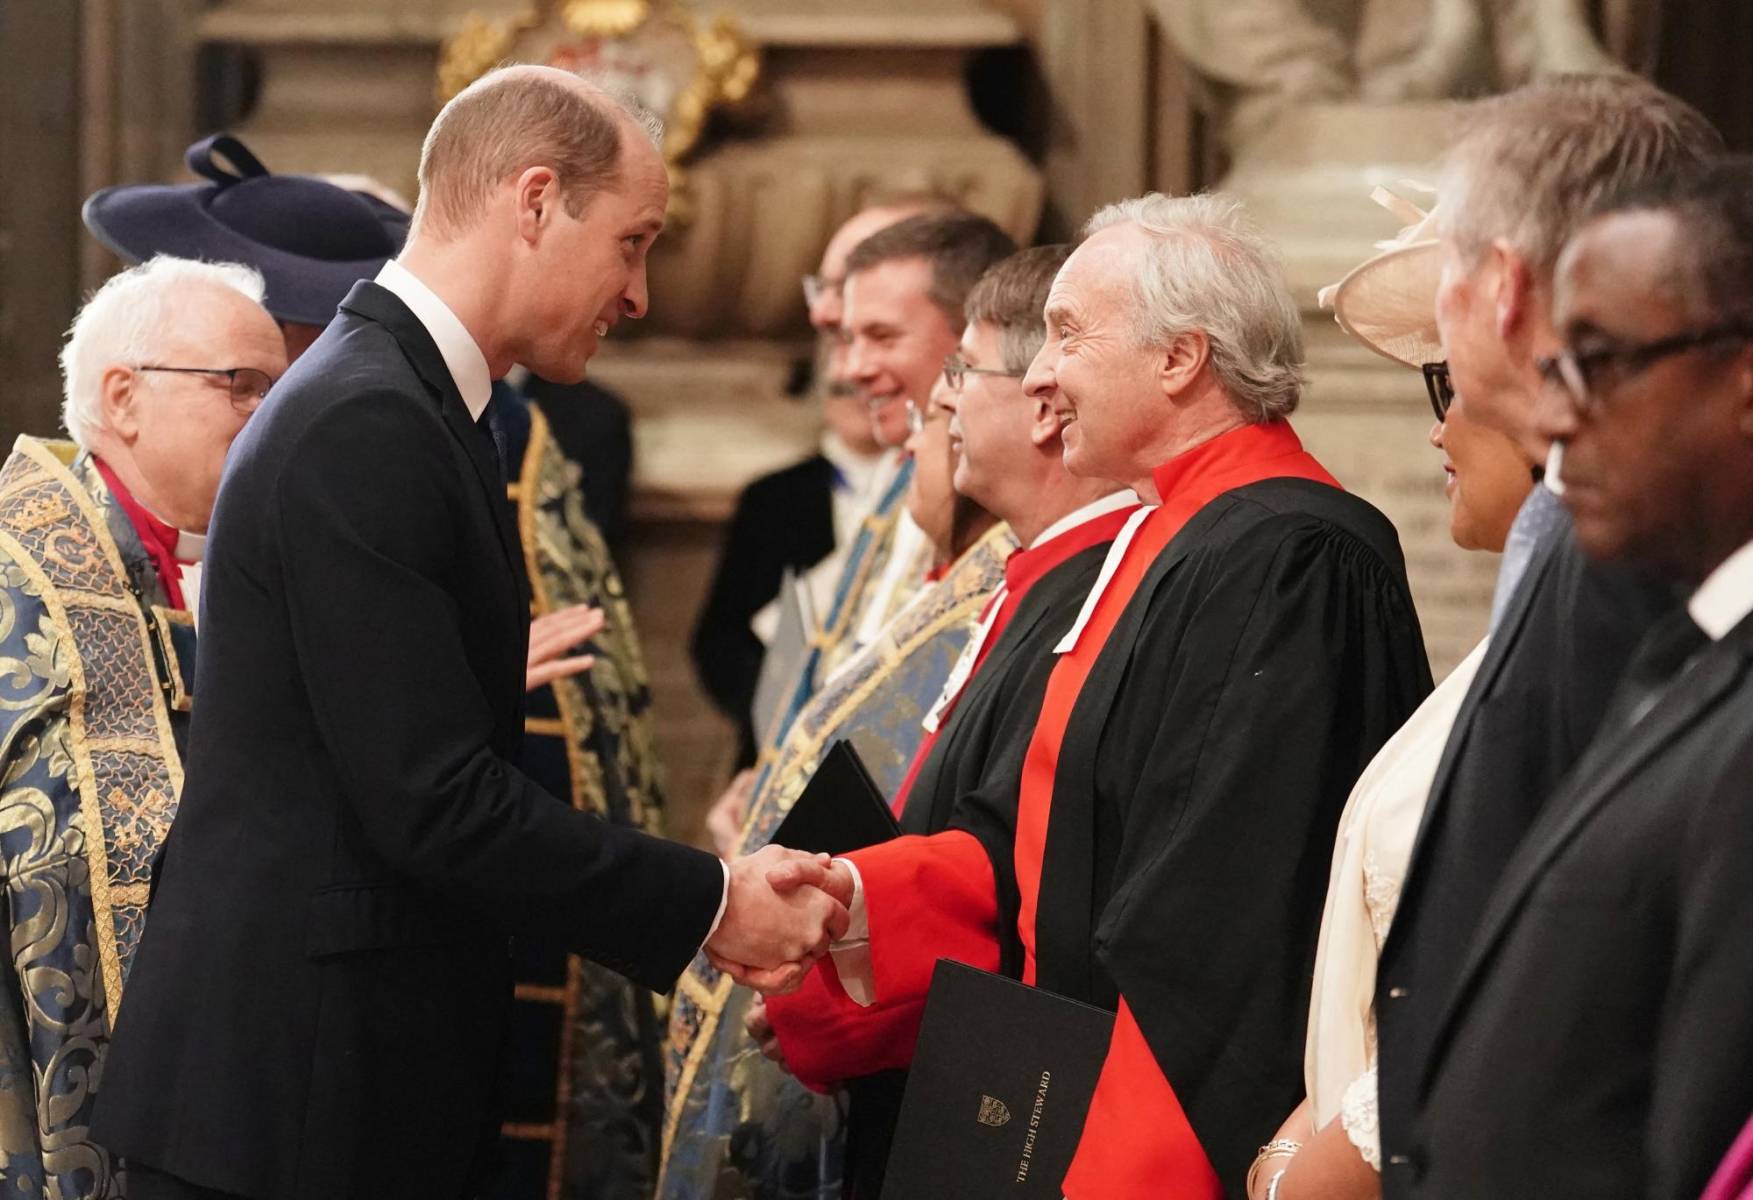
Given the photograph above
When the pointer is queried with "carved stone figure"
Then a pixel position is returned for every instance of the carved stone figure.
(1258, 56)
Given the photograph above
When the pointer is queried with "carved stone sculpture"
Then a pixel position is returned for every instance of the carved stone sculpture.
(1258, 57)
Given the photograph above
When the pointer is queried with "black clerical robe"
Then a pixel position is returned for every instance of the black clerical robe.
(827, 1038)
(1253, 645)
(976, 739)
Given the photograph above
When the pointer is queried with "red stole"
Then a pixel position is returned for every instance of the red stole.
(1022, 570)
(1137, 1141)
(158, 538)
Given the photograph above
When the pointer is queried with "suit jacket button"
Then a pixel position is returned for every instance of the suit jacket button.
(1398, 993)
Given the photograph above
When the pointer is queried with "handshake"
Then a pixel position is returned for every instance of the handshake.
(783, 910)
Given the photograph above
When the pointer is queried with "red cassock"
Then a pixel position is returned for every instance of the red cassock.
(935, 897)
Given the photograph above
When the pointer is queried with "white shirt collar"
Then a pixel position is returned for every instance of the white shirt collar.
(462, 357)
(1089, 512)
(191, 547)
(1725, 598)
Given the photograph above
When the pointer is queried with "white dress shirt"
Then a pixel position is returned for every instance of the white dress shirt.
(191, 548)
(1725, 598)
(468, 369)
(462, 356)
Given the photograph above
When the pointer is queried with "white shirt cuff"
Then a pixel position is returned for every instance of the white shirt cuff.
(851, 954)
(723, 903)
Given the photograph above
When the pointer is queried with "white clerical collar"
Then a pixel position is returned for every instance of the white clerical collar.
(856, 470)
(1112, 502)
(462, 357)
(191, 547)
(1725, 598)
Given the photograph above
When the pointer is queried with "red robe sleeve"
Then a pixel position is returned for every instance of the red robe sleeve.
(925, 898)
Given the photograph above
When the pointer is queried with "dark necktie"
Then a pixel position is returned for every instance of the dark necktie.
(1661, 658)
(492, 420)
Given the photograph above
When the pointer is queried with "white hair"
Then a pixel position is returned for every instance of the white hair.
(126, 321)
(1208, 268)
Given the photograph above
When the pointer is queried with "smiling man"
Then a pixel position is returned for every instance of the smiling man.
(323, 991)
(1007, 458)
(904, 290)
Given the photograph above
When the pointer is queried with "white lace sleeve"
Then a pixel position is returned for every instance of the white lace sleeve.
(1357, 1112)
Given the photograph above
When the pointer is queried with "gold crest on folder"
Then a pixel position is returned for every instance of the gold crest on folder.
(993, 1112)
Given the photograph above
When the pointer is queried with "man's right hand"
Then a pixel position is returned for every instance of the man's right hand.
(772, 933)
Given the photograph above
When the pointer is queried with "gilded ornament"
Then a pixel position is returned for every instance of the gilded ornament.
(681, 67)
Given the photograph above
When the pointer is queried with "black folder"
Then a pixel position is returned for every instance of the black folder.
(1001, 1082)
(841, 808)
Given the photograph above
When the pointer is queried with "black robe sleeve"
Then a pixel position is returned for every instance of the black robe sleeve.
(1296, 653)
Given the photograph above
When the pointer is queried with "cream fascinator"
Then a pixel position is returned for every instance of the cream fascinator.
(1389, 302)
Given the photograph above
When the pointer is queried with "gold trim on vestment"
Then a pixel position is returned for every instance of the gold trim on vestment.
(99, 582)
(807, 748)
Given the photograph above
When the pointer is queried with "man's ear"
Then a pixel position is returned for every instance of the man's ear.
(119, 401)
(1513, 285)
(1043, 425)
(1180, 362)
(535, 196)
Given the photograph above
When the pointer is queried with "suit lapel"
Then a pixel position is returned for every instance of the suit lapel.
(379, 304)
(1509, 632)
(1611, 760)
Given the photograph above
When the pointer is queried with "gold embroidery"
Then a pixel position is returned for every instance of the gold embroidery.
(964, 591)
(124, 754)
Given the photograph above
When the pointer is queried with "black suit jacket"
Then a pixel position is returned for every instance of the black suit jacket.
(322, 988)
(785, 519)
(1601, 1041)
(1541, 691)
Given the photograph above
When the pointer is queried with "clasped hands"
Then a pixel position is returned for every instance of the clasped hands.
(784, 909)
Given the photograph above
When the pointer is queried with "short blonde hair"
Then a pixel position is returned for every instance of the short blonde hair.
(125, 323)
(1528, 166)
(515, 118)
(1208, 268)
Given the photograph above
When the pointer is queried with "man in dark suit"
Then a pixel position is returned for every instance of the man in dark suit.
(1515, 183)
(318, 1003)
(1600, 1040)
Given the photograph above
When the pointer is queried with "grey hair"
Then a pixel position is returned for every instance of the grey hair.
(1208, 268)
(1529, 165)
(125, 322)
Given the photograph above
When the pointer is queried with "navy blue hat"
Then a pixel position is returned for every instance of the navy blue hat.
(312, 241)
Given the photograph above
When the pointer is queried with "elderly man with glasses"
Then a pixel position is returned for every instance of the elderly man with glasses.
(100, 550)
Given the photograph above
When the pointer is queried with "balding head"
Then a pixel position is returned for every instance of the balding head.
(824, 290)
(516, 118)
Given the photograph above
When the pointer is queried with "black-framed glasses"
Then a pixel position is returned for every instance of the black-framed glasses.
(1589, 375)
(956, 372)
(1440, 387)
(248, 386)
